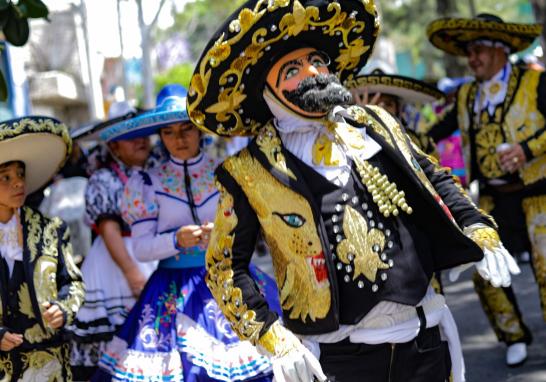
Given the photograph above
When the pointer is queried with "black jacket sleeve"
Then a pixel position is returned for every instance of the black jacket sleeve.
(445, 126)
(232, 244)
(461, 207)
(70, 286)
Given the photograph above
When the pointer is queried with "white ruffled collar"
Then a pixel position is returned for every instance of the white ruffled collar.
(9, 243)
(493, 91)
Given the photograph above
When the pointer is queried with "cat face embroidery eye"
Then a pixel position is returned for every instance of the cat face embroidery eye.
(293, 220)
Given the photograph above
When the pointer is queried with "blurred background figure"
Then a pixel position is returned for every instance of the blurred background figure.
(176, 328)
(113, 277)
(501, 115)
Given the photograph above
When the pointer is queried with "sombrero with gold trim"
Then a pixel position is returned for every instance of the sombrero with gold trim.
(42, 143)
(452, 35)
(225, 94)
(406, 88)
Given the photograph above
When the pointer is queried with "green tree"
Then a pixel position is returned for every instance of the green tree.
(179, 74)
(200, 20)
(14, 23)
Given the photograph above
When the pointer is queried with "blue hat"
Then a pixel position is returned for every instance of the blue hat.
(170, 108)
(117, 112)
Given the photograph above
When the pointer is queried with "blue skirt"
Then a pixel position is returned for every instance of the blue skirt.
(177, 332)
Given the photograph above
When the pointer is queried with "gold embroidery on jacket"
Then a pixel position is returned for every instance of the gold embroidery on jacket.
(220, 273)
(487, 139)
(43, 365)
(6, 367)
(288, 224)
(360, 115)
(32, 221)
(270, 144)
(76, 292)
(45, 279)
(365, 246)
(522, 121)
(36, 334)
(25, 305)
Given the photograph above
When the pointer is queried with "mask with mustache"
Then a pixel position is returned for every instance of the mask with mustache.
(319, 94)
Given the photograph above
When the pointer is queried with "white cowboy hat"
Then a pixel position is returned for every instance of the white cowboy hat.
(42, 143)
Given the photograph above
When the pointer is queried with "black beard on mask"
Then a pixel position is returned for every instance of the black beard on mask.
(319, 94)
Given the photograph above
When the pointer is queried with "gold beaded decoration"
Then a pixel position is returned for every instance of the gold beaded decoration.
(384, 193)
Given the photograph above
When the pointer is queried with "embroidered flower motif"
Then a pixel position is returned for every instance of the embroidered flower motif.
(298, 21)
(350, 56)
(228, 101)
(487, 140)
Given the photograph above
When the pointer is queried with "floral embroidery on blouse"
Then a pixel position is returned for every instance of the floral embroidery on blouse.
(171, 176)
(142, 193)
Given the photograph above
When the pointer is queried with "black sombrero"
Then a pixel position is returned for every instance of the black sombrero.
(225, 95)
(406, 88)
(452, 35)
(41, 143)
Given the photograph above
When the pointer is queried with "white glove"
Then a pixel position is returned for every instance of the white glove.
(497, 264)
(299, 365)
(292, 362)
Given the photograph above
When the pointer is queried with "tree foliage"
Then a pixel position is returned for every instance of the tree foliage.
(178, 74)
(201, 19)
(14, 17)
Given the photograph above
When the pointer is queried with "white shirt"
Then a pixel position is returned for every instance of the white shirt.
(492, 92)
(10, 249)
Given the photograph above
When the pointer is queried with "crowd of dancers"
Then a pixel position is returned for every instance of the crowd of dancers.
(341, 181)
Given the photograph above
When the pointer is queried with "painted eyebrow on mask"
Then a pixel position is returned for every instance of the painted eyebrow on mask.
(295, 61)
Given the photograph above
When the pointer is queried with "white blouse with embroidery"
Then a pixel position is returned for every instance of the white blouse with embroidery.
(156, 204)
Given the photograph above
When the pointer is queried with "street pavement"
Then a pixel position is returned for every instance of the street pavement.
(484, 356)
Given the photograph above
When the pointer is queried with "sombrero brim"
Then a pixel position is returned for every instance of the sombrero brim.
(452, 35)
(225, 95)
(95, 131)
(143, 125)
(43, 145)
(408, 89)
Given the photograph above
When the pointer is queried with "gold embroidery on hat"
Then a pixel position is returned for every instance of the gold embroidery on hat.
(227, 109)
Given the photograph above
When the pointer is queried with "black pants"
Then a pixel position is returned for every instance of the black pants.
(425, 359)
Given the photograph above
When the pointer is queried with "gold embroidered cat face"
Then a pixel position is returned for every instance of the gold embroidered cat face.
(288, 224)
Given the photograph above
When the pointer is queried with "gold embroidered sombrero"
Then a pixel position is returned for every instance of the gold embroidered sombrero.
(225, 95)
(452, 35)
(406, 88)
(42, 143)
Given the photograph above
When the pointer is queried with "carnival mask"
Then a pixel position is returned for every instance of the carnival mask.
(302, 81)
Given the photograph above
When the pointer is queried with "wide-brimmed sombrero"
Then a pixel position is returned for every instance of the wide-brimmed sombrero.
(406, 88)
(452, 35)
(171, 108)
(118, 112)
(42, 143)
(225, 95)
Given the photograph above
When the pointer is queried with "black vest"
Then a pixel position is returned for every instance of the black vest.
(406, 248)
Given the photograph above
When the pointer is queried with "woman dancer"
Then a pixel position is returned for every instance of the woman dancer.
(176, 332)
(112, 276)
